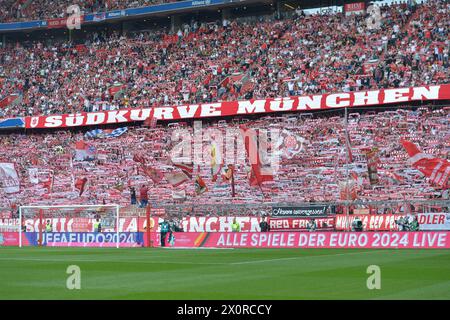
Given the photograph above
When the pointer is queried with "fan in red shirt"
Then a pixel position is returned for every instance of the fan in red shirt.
(143, 193)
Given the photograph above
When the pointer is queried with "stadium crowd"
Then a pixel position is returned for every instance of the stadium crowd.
(50, 169)
(229, 60)
(22, 10)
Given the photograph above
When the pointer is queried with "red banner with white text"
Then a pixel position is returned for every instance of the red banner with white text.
(371, 222)
(246, 107)
(339, 222)
(356, 7)
(347, 240)
(290, 224)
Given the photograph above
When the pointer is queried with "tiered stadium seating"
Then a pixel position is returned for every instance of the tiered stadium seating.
(312, 175)
(210, 62)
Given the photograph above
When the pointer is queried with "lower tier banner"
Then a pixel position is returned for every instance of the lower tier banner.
(338, 222)
(9, 239)
(376, 240)
(73, 239)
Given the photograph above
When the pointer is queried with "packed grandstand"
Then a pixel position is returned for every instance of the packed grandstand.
(341, 154)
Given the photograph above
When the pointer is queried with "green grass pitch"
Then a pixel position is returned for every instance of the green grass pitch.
(143, 273)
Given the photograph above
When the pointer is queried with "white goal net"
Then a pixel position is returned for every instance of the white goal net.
(76, 225)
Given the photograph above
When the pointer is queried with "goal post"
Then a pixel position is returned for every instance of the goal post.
(71, 225)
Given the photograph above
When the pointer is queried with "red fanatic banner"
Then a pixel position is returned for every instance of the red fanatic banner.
(246, 107)
(290, 224)
(348, 240)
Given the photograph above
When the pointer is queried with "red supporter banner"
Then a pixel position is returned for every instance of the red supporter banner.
(339, 222)
(59, 23)
(347, 240)
(434, 221)
(246, 107)
(9, 239)
(56, 23)
(290, 224)
(132, 224)
(386, 222)
(354, 7)
(371, 222)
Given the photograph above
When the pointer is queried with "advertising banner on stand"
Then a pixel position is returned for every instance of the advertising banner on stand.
(343, 240)
(309, 211)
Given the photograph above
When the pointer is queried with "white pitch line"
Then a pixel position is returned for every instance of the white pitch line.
(299, 257)
(69, 260)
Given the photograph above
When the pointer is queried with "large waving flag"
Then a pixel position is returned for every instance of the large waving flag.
(372, 164)
(80, 184)
(99, 133)
(139, 158)
(349, 147)
(116, 90)
(176, 178)
(49, 184)
(84, 151)
(9, 179)
(187, 168)
(436, 169)
(10, 100)
(200, 186)
(256, 154)
(152, 173)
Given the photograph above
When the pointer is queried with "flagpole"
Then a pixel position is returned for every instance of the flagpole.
(72, 175)
(347, 171)
(233, 191)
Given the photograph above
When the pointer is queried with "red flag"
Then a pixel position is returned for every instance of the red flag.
(228, 173)
(139, 158)
(348, 190)
(48, 184)
(410, 147)
(153, 173)
(80, 184)
(176, 178)
(116, 90)
(254, 154)
(372, 164)
(187, 168)
(436, 169)
(10, 100)
(200, 186)
(349, 147)
(394, 177)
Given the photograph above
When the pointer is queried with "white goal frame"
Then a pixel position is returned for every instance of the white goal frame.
(116, 207)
